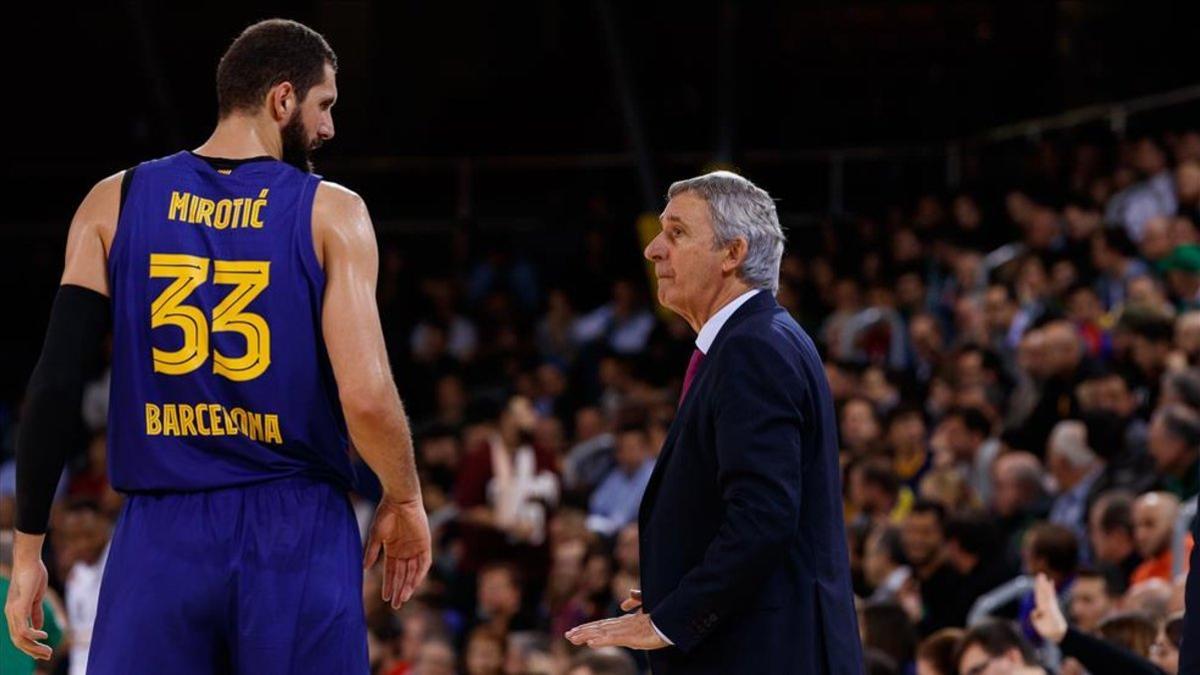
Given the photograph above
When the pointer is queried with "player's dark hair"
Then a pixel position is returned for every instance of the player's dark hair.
(266, 54)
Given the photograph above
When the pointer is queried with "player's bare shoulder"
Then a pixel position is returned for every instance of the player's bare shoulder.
(340, 220)
(98, 212)
(91, 235)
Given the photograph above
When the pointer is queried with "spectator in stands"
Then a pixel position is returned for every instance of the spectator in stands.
(1174, 441)
(1111, 535)
(1092, 599)
(1018, 499)
(82, 544)
(1051, 551)
(1154, 515)
(861, 433)
(884, 567)
(1075, 469)
(485, 652)
(885, 626)
(995, 642)
(1059, 371)
(1114, 257)
(435, 657)
(504, 488)
(499, 602)
(922, 536)
(874, 491)
(622, 325)
(610, 661)
(614, 503)
(964, 439)
(1153, 196)
(973, 551)
(935, 654)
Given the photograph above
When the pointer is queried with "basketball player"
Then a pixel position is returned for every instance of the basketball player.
(246, 346)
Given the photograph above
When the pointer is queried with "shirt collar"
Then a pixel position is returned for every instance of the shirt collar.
(710, 329)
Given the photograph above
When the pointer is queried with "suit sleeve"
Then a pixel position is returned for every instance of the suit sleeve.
(1103, 658)
(758, 444)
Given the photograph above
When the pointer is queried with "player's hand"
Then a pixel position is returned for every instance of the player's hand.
(23, 608)
(401, 532)
(633, 601)
(631, 630)
(1047, 616)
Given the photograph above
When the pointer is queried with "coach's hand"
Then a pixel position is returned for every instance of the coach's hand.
(401, 531)
(23, 608)
(633, 601)
(632, 630)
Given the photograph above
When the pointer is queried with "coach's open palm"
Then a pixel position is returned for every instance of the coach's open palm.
(401, 531)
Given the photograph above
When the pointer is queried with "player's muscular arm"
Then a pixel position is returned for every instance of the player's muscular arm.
(345, 244)
(353, 335)
(78, 322)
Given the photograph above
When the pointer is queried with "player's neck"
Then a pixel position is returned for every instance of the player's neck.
(243, 136)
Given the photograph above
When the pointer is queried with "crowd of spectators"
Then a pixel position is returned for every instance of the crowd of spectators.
(1017, 378)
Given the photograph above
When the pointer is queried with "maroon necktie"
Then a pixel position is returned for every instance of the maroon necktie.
(693, 366)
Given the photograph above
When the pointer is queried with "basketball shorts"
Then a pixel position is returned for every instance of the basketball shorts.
(263, 579)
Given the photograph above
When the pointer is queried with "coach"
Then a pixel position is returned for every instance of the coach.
(743, 549)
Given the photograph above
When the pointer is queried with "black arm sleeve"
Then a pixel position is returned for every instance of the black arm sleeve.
(78, 323)
(1104, 658)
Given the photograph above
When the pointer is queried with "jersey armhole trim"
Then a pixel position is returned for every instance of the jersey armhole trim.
(305, 224)
(126, 179)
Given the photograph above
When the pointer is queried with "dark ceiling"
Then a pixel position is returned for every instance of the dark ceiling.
(426, 83)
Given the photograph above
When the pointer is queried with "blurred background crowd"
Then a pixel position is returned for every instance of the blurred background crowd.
(1010, 319)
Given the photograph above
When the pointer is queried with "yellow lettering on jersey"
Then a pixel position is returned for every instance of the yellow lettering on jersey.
(204, 213)
(153, 420)
(256, 207)
(170, 420)
(221, 217)
(236, 420)
(214, 414)
(179, 206)
(187, 421)
(271, 429)
(211, 419)
(200, 420)
(233, 213)
(256, 427)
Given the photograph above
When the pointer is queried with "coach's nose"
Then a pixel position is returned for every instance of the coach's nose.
(656, 250)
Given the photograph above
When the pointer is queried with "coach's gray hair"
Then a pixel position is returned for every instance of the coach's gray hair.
(741, 210)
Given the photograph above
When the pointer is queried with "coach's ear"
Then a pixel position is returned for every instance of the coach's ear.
(735, 255)
(281, 101)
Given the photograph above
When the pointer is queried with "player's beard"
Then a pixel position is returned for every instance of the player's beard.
(297, 150)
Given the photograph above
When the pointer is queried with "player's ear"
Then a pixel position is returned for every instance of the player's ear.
(281, 100)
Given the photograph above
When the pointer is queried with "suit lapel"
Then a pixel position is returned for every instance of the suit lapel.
(761, 301)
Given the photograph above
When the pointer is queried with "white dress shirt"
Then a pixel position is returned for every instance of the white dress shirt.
(704, 339)
(710, 329)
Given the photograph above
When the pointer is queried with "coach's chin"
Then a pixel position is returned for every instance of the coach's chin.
(744, 567)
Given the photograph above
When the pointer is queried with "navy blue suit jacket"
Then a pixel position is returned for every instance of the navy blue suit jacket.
(743, 549)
